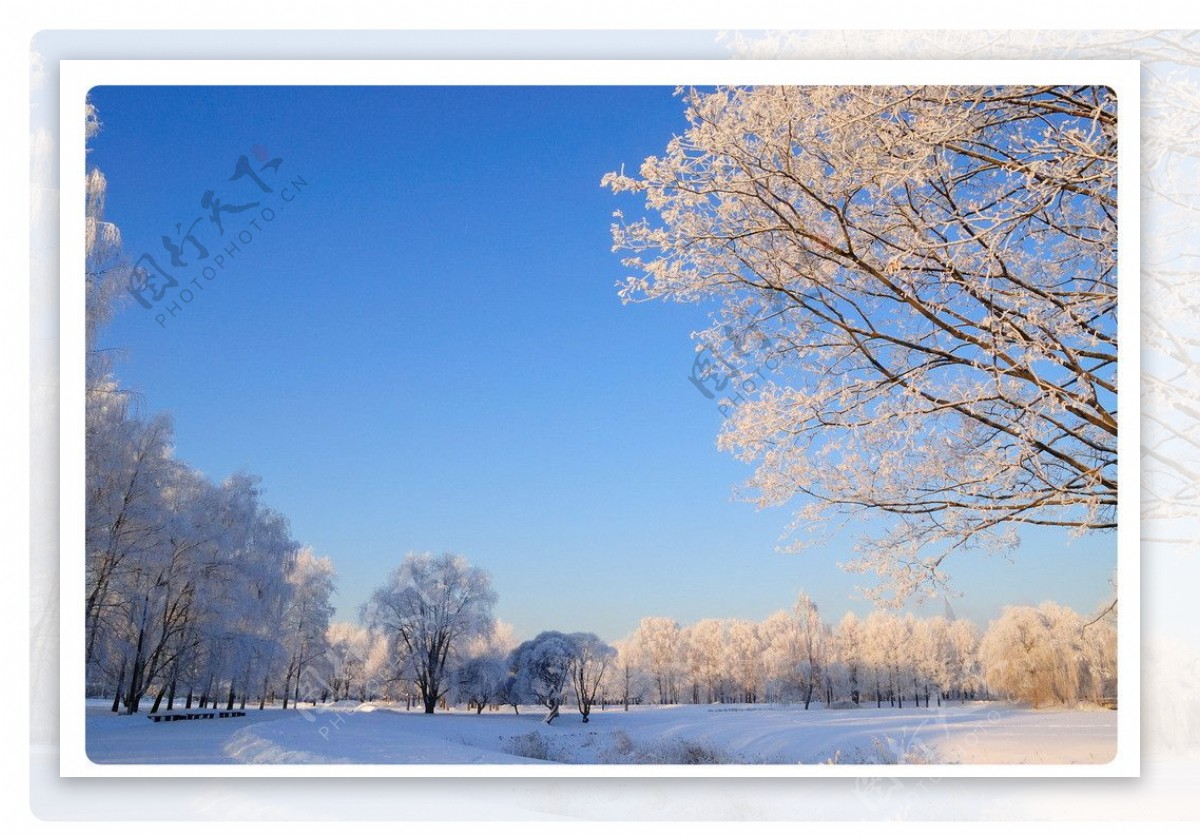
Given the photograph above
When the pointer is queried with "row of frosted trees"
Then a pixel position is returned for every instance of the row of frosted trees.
(794, 656)
(430, 638)
(195, 591)
(1043, 655)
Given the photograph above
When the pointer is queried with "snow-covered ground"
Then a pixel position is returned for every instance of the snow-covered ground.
(978, 733)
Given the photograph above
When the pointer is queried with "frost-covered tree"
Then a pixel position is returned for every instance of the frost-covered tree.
(482, 680)
(349, 650)
(966, 676)
(706, 654)
(306, 628)
(878, 654)
(483, 677)
(813, 646)
(542, 670)
(592, 658)
(106, 269)
(1042, 655)
(781, 654)
(745, 659)
(848, 650)
(927, 277)
(128, 463)
(627, 677)
(659, 648)
(795, 651)
(932, 658)
(431, 607)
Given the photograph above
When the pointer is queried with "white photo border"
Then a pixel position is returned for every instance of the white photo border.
(77, 77)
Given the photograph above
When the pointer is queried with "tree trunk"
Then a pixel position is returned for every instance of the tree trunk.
(133, 696)
(116, 704)
(157, 702)
(171, 695)
(229, 702)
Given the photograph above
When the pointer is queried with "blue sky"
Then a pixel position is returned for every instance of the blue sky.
(424, 350)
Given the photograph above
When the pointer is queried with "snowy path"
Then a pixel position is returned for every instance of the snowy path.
(972, 734)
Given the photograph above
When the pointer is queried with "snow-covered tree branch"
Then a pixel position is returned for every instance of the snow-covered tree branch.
(930, 274)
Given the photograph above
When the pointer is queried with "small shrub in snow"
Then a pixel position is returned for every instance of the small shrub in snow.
(622, 744)
(533, 745)
(624, 751)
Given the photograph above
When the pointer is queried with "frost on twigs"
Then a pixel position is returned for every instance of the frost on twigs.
(930, 274)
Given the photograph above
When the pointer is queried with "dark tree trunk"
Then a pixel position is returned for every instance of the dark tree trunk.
(157, 702)
(134, 696)
(116, 704)
(171, 696)
(229, 702)
(207, 690)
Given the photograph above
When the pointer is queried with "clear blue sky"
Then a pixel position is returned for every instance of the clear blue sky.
(424, 350)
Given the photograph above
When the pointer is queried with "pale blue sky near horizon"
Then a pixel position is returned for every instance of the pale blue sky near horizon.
(423, 350)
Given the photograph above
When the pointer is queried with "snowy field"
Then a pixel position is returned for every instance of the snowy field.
(347, 733)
